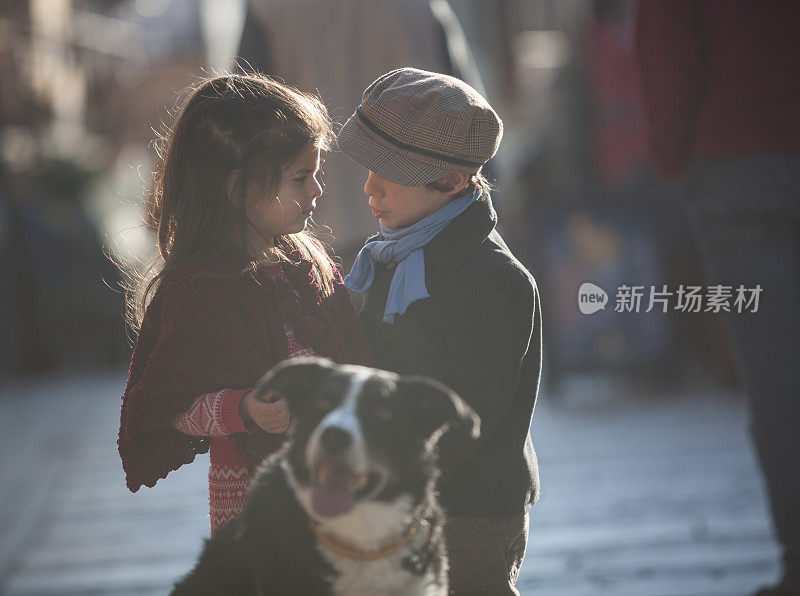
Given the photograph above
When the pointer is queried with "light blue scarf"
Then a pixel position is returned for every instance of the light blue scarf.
(404, 247)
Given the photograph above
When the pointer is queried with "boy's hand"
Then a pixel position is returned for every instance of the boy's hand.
(270, 416)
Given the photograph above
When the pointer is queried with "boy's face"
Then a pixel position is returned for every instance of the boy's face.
(398, 206)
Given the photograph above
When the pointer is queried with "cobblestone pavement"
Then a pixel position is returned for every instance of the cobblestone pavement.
(641, 497)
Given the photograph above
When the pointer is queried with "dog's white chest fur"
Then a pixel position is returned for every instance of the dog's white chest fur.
(367, 527)
(382, 577)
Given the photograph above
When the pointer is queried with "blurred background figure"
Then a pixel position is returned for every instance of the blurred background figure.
(83, 84)
(347, 45)
(591, 208)
(722, 96)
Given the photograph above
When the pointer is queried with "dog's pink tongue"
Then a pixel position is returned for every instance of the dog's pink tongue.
(332, 496)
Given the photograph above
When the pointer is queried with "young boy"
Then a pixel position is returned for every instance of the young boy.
(447, 299)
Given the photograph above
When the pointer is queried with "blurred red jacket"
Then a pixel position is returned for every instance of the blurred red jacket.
(718, 78)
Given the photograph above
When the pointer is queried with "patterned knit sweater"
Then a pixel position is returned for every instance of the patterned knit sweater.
(205, 340)
(216, 415)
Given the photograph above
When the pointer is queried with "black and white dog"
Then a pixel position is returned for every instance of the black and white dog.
(349, 505)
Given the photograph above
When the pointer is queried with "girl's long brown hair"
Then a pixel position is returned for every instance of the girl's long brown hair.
(246, 123)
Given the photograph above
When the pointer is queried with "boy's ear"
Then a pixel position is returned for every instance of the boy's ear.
(453, 183)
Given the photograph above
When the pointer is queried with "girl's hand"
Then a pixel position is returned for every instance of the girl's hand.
(270, 416)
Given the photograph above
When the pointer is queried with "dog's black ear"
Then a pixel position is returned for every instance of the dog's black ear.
(438, 406)
(294, 377)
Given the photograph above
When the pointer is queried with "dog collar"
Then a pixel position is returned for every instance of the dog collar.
(417, 536)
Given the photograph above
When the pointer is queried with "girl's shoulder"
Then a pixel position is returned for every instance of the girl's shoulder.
(188, 282)
(190, 289)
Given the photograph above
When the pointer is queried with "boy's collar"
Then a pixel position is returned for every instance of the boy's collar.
(454, 244)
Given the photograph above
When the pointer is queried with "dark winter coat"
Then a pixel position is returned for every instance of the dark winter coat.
(479, 332)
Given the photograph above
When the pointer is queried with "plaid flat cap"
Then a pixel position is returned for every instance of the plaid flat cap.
(414, 127)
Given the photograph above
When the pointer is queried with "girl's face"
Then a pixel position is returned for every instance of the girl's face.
(288, 211)
(398, 206)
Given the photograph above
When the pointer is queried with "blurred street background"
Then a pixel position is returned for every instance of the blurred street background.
(650, 484)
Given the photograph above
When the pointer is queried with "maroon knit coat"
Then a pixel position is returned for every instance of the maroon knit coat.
(204, 332)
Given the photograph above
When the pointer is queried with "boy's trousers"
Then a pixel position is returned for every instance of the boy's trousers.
(486, 553)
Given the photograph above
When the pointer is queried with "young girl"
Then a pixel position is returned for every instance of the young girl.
(240, 285)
